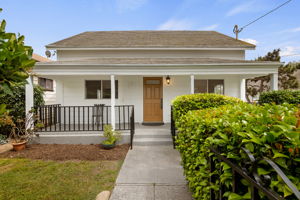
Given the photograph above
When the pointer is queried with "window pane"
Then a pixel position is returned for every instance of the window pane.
(93, 89)
(107, 89)
(200, 86)
(42, 82)
(153, 82)
(49, 84)
(216, 86)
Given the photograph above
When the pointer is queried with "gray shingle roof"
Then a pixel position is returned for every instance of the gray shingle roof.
(155, 61)
(150, 39)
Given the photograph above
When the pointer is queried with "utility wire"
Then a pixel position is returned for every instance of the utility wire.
(267, 13)
(237, 30)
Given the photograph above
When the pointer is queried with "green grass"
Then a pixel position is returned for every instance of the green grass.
(22, 179)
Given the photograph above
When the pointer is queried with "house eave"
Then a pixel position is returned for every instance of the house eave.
(154, 48)
(277, 64)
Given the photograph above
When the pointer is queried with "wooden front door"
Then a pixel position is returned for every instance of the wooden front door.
(153, 97)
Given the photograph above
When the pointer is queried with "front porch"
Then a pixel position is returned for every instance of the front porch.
(91, 94)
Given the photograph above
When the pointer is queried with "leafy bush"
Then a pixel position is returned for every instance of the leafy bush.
(183, 104)
(15, 103)
(270, 130)
(111, 136)
(280, 97)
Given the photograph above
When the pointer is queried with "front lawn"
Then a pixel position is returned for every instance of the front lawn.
(41, 179)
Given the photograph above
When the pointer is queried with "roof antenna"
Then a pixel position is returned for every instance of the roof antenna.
(236, 30)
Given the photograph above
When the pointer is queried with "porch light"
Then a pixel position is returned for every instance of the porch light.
(168, 79)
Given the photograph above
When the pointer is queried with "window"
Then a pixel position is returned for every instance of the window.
(99, 89)
(209, 86)
(46, 84)
(93, 89)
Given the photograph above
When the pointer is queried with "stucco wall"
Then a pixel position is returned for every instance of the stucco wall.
(71, 91)
(79, 54)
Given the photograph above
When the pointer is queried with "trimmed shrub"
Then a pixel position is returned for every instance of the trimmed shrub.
(183, 104)
(270, 130)
(280, 97)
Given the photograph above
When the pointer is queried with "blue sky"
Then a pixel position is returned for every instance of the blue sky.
(46, 21)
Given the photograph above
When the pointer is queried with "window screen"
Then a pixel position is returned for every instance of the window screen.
(46, 84)
(99, 89)
(209, 86)
(93, 89)
(107, 89)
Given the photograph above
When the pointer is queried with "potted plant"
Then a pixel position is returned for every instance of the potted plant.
(111, 136)
(23, 130)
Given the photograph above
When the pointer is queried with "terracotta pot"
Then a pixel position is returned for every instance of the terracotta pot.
(19, 146)
(108, 146)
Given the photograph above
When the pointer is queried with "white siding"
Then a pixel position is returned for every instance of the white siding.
(81, 54)
(49, 96)
(71, 91)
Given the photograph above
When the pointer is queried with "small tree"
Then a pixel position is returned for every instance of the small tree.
(286, 76)
(15, 59)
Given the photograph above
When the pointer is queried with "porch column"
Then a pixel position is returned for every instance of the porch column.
(243, 89)
(274, 81)
(112, 101)
(29, 99)
(192, 84)
(29, 94)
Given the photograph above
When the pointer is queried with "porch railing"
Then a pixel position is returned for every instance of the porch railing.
(173, 128)
(57, 118)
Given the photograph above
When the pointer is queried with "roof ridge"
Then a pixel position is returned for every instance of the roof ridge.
(150, 38)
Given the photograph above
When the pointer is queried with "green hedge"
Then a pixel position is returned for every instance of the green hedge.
(280, 97)
(183, 104)
(268, 130)
(15, 103)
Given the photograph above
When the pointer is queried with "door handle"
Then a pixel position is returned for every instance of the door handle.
(161, 103)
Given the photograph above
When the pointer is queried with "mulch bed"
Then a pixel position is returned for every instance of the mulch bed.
(62, 152)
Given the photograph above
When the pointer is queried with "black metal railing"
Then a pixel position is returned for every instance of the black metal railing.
(173, 128)
(48, 114)
(132, 127)
(57, 118)
(257, 183)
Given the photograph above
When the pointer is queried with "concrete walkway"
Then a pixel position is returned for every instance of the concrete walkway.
(151, 172)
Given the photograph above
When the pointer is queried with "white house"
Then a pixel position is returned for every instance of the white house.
(146, 69)
(47, 84)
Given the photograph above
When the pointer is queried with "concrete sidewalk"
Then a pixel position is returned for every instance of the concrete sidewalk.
(151, 172)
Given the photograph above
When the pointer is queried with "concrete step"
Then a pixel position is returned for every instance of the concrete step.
(151, 134)
(152, 141)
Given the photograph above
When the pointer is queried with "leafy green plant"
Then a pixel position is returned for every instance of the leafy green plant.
(15, 58)
(280, 97)
(270, 131)
(15, 105)
(111, 136)
(183, 104)
(3, 139)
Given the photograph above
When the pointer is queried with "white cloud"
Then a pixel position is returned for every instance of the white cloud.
(173, 24)
(210, 27)
(128, 5)
(290, 51)
(251, 41)
(245, 7)
(292, 30)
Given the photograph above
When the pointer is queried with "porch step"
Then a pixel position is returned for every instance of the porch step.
(152, 141)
